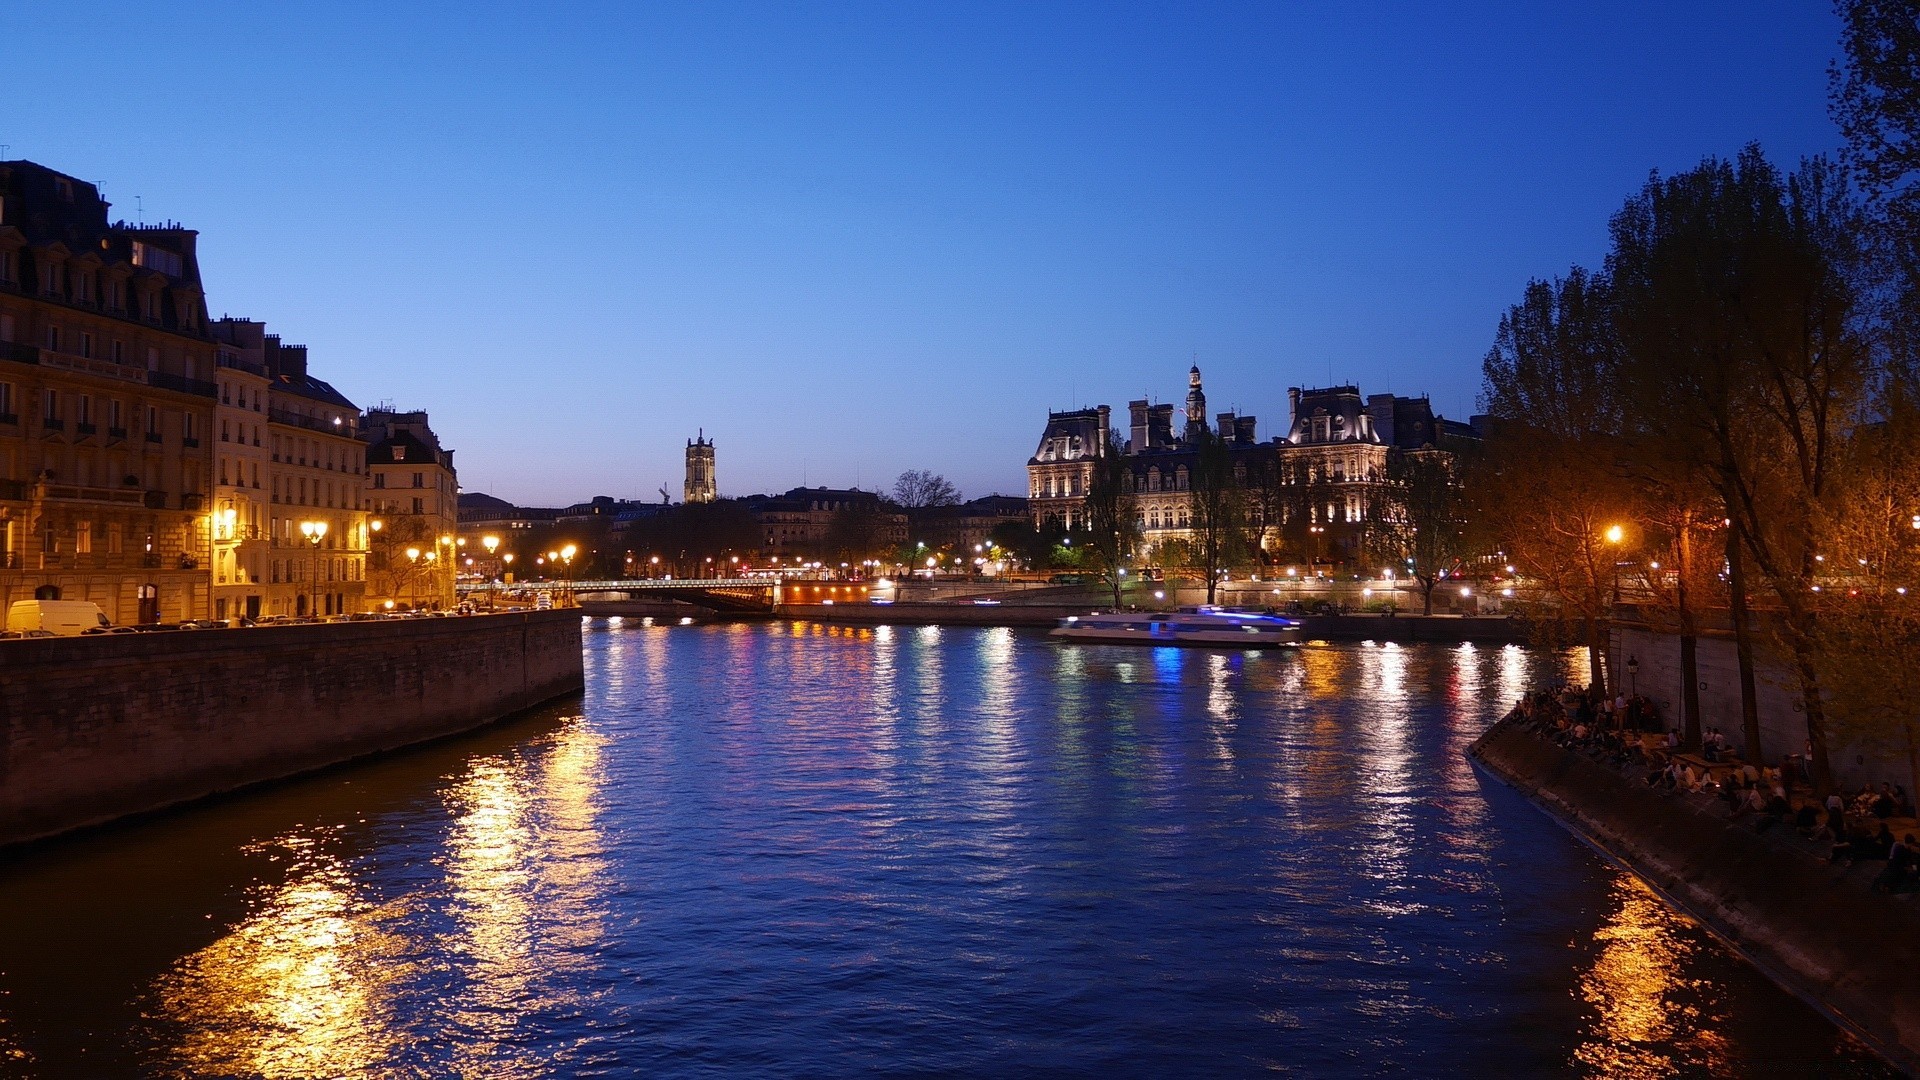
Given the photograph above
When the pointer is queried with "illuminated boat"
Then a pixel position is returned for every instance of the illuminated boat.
(1206, 627)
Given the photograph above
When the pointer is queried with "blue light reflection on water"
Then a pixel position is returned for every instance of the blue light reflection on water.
(800, 849)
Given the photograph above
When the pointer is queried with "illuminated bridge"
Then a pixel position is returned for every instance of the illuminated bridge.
(716, 594)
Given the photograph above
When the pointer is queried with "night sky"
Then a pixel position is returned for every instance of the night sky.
(848, 240)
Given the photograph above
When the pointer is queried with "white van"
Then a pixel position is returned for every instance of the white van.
(67, 618)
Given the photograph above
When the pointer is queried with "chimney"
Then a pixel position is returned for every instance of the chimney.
(1104, 435)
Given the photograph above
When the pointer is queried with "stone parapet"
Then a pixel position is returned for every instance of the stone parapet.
(100, 727)
(1812, 928)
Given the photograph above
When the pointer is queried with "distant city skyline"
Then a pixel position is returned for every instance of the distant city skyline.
(852, 243)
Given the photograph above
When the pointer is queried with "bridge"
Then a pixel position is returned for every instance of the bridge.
(732, 595)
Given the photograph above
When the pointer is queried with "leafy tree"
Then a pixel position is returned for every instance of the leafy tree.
(1546, 485)
(1735, 304)
(917, 489)
(1215, 505)
(1422, 525)
(1869, 612)
(855, 531)
(1113, 529)
(1268, 501)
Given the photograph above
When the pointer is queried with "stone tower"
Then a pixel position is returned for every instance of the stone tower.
(700, 486)
(1196, 406)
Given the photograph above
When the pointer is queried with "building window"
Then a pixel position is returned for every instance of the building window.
(119, 352)
(6, 328)
(53, 339)
(83, 538)
(418, 481)
(419, 506)
(6, 402)
(50, 399)
(153, 358)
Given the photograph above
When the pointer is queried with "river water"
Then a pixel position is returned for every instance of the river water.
(800, 850)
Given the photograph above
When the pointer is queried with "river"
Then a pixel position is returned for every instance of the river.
(780, 849)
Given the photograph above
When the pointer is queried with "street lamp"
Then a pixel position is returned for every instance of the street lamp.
(492, 544)
(314, 531)
(413, 569)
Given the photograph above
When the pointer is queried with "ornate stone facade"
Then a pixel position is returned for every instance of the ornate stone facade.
(1308, 494)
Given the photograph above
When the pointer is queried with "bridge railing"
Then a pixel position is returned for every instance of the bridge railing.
(634, 585)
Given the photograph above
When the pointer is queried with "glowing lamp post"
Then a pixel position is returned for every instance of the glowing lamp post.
(315, 532)
(413, 568)
(492, 544)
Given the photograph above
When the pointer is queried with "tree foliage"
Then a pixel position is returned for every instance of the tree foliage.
(1113, 529)
(1419, 524)
(1214, 501)
(918, 489)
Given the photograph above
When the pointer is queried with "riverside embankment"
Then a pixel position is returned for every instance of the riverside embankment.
(97, 728)
(1813, 928)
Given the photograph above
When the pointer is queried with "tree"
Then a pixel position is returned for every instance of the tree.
(1869, 619)
(854, 531)
(1736, 307)
(1112, 526)
(1546, 485)
(1214, 503)
(1875, 100)
(917, 489)
(1419, 524)
(1267, 503)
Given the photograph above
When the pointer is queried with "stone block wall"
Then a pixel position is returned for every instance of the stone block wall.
(96, 728)
(1783, 726)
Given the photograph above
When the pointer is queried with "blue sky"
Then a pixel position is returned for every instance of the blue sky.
(848, 240)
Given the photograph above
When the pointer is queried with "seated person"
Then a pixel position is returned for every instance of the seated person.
(1807, 820)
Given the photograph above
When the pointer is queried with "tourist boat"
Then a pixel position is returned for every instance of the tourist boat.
(1205, 627)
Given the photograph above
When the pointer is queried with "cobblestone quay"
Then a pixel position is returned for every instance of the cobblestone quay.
(97, 728)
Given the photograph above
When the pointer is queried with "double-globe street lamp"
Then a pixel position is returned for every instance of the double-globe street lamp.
(315, 532)
(492, 544)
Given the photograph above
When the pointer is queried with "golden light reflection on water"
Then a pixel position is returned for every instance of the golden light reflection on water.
(301, 988)
(313, 981)
(1649, 1019)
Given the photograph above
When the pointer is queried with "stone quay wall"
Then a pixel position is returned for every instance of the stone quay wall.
(1814, 929)
(1783, 726)
(100, 727)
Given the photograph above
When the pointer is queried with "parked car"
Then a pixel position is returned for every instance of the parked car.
(62, 618)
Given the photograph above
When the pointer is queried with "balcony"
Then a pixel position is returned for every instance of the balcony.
(238, 364)
(83, 429)
(9, 418)
(87, 365)
(53, 423)
(197, 387)
(13, 489)
(189, 441)
(344, 429)
(192, 502)
(153, 436)
(77, 493)
(116, 433)
(154, 500)
(18, 353)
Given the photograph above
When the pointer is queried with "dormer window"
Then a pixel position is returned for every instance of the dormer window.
(399, 453)
(63, 187)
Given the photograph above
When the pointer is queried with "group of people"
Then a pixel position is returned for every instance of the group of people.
(1583, 720)
(1609, 732)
